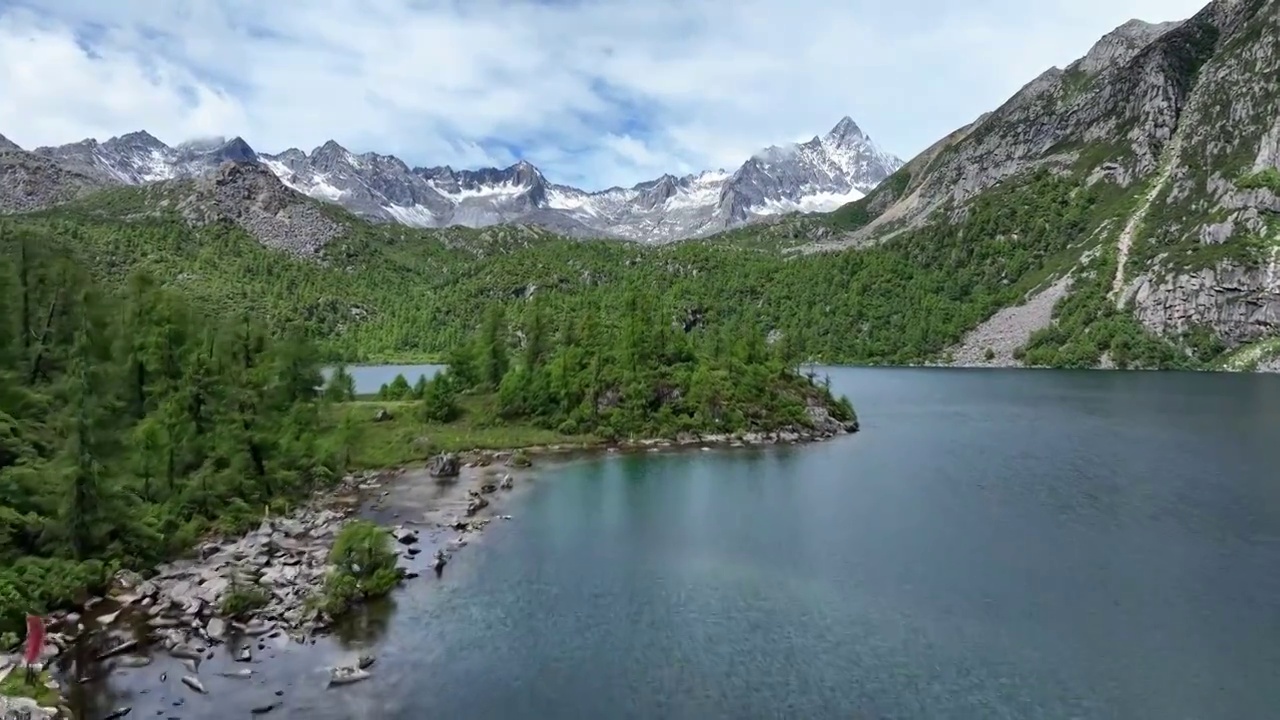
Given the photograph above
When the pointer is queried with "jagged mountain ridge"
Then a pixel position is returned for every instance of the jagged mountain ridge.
(139, 158)
(816, 175)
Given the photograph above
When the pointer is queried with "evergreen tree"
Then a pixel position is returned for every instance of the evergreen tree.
(341, 386)
(220, 418)
(439, 399)
(535, 337)
(87, 382)
(491, 349)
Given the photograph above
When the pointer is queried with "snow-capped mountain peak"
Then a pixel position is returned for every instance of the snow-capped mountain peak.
(845, 132)
(820, 174)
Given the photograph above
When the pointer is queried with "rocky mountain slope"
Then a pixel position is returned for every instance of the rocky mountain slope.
(817, 175)
(1175, 128)
(30, 182)
(1123, 211)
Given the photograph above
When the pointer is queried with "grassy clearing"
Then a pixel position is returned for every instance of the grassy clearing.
(15, 685)
(406, 440)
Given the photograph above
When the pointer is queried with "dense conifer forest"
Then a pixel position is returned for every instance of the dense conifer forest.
(391, 293)
(134, 420)
(131, 423)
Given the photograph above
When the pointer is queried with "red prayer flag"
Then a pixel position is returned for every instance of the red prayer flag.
(35, 639)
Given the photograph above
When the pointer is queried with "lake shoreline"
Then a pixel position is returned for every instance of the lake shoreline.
(177, 610)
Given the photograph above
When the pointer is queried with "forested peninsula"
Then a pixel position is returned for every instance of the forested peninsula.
(134, 423)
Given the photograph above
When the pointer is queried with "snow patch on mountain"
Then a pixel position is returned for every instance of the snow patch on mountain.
(815, 203)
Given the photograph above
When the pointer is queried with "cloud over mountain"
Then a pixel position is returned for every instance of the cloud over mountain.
(601, 93)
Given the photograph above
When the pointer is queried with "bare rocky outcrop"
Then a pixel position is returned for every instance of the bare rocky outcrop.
(1241, 303)
(238, 191)
(29, 182)
(824, 424)
(249, 195)
(1229, 132)
(1120, 45)
(1269, 148)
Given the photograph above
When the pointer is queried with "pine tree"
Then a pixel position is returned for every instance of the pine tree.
(492, 349)
(341, 386)
(535, 337)
(86, 382)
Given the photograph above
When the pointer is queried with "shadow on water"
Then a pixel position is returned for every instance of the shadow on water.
(367, 626)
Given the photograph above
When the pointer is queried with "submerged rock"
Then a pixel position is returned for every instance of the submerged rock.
(346, 675)
(194, 684)
(186, 652)
(120, 648)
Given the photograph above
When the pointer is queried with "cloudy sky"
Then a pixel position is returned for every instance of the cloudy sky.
(594, 92)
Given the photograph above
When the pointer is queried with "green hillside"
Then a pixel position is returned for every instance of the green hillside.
(387, 292)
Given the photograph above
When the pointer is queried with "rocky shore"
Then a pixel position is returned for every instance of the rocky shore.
(249, 596)
(251, 593)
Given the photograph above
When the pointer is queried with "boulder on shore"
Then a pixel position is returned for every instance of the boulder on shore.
(19, 707)
(476, 504)
(444, 465)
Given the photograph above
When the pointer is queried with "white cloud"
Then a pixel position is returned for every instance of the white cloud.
(595, 93)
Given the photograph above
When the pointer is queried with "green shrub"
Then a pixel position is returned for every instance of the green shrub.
(364, 567)
(243, 600)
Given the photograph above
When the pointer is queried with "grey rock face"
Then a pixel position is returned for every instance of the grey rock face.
(1120, 45)
(1229, 129)
(1241, 304)
(250, 196)
(31, 182)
